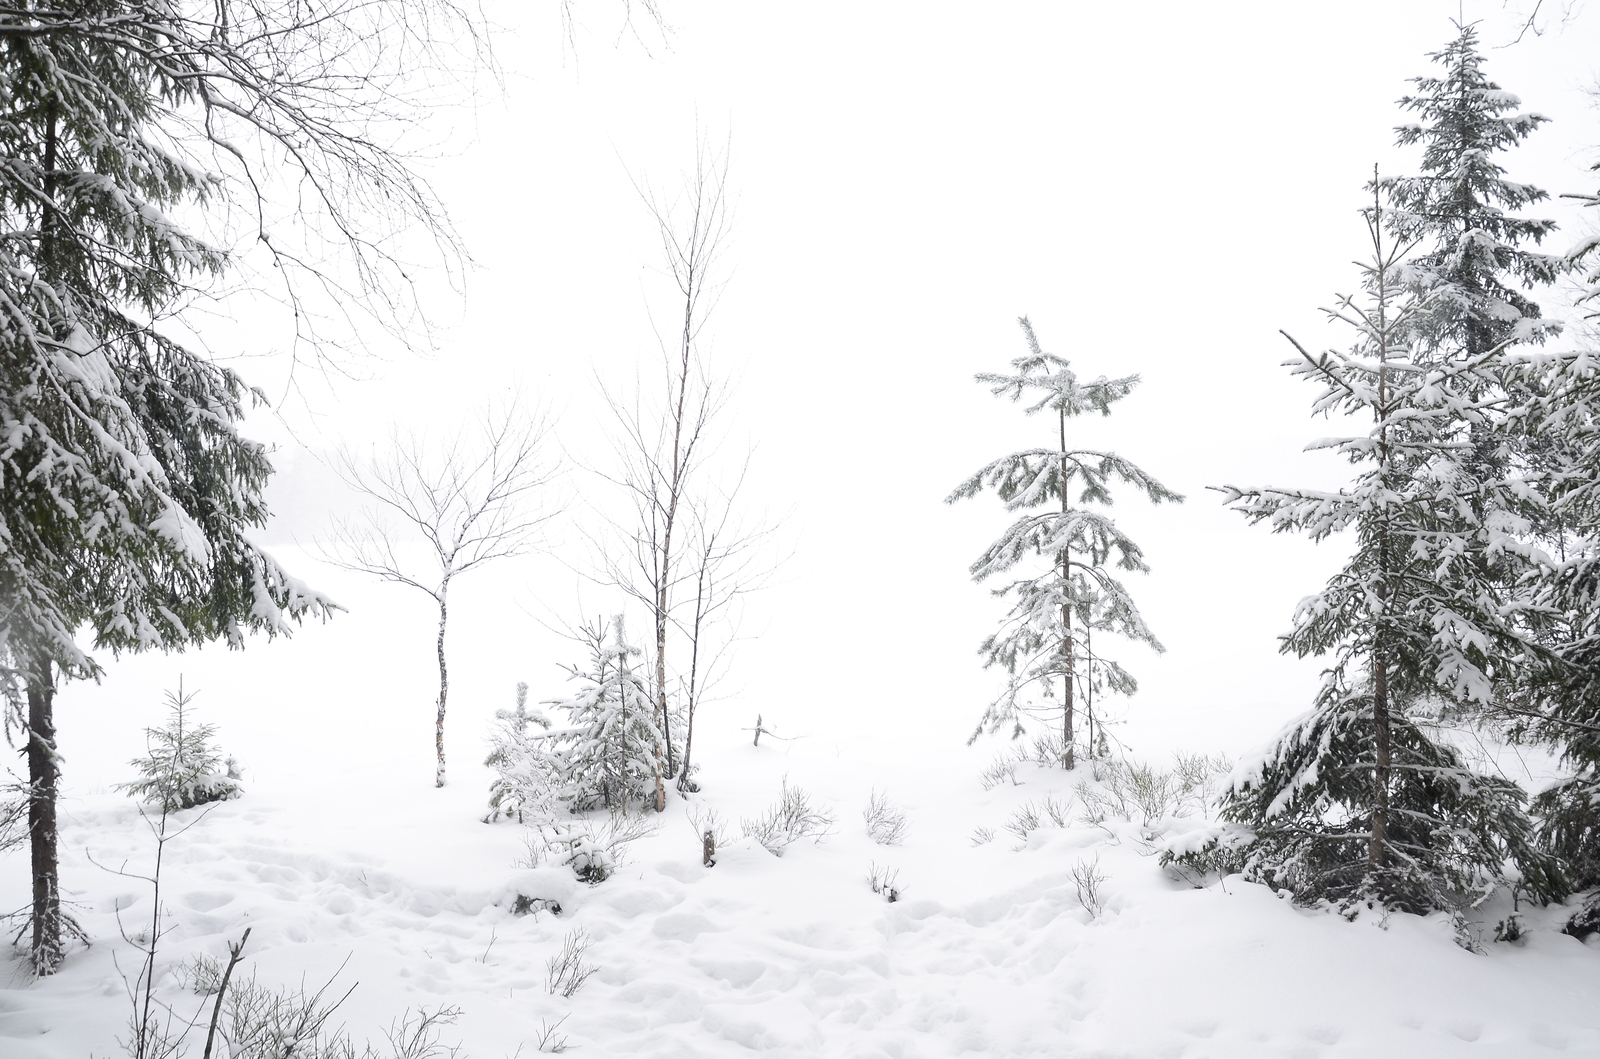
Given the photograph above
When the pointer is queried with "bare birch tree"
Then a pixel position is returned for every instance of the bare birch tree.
(724, 562)
(681, 554)
(471, 499)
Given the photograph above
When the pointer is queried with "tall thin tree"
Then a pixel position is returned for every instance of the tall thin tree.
(1357, 800)
(1045, 634)
(665, 441)
(471, 500)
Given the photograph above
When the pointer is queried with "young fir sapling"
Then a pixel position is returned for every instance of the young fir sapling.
(183, 767)
(1044, 644)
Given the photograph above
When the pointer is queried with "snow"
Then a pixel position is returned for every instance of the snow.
(989, 952)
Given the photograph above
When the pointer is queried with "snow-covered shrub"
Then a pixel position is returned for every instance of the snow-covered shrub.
(549, 1040)
(591, 848)
(1146, 795)
(1050, 750)
(791, 819)
(265, 1023)
(609, 755)
(982, 836)
(182, 768)
(886, 822)
(566, 971)
(1086, 879)
(1002, 769)
(201, 975)
(528, 770)
(886, 881)
(1030, 817)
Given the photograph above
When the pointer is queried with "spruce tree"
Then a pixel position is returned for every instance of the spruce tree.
(1360, 800)
(1043, 643)
(1474, 258)
(527, 770)
(1559, 701)
(609, 751)
(1476, 264)
(126, 490)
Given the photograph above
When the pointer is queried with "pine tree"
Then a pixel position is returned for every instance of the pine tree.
(1044, 639)
(527, 769)
(126, 491)
(183, 767)
(1559, 702)
(609, 751)
(1474, 260)
(1359, 800)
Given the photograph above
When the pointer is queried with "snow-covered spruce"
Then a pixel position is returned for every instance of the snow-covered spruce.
(1473, 261)
(1560, 703)
(1360, 800)
(1048, 637)
(126, 489)
(527, 769)
(182, 767)
(608, 751)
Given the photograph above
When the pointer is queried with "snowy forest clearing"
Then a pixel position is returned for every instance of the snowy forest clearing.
(989, 951)
(729, 813)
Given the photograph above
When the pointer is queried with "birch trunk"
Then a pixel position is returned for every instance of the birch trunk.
(444, 689)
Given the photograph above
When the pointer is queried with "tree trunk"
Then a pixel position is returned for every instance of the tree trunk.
(694, 675)
(44, 766)
(661, 667)
(444, 691)
(1380, 774)
(1066, 614)
(44, 777)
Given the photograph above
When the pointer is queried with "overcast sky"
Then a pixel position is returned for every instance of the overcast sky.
(1160, 187)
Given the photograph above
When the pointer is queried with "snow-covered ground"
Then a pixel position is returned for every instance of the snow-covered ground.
(989, 951)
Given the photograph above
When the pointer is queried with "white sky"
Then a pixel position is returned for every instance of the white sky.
(1160, 186)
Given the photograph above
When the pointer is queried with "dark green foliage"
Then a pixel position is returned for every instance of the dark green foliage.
(1475, 263)
(1449, 831)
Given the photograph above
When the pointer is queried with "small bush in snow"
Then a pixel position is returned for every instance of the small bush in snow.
(1030, 817)
(885, 881)
(791, 819)
(1024, 821)
(886, 822)
(201, 975)
(566, 971)
(183, 768)
(1086, 879)
(1002, 770)
(1144, 794)
(263, 1023)
(417, 1036)
(549, 1040)
(592, 849)
(1050, 750)
(982, 836)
